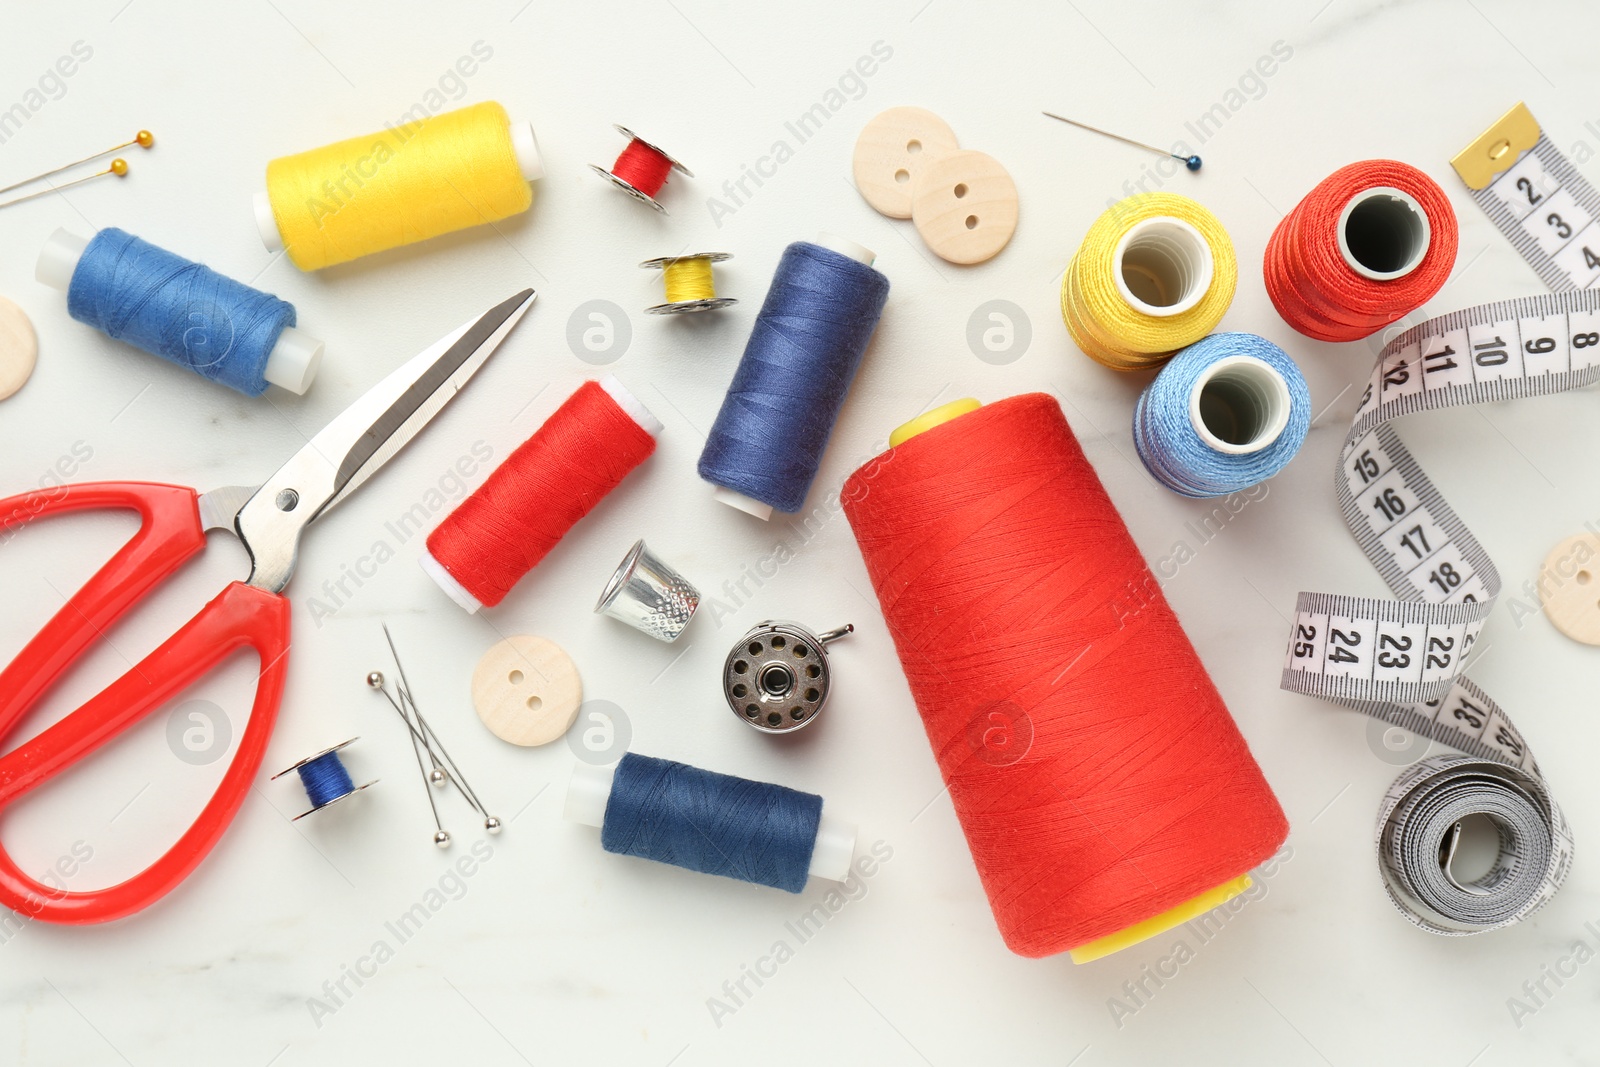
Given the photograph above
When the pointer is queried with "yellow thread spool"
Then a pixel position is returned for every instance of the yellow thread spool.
(689, 283)
(1157, 924)
(1154, 274)
(399, 186)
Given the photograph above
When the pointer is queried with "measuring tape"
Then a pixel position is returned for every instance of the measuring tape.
(1401, 660)
(1537, 198)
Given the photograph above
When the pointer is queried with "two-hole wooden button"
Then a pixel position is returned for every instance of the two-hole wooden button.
(893, 150)
(965, 207)
(526, 690)
(19, 348)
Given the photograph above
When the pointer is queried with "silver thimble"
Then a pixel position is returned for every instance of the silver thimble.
(648, 595)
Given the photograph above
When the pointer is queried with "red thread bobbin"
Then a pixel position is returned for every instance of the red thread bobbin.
(1372, 242)
(641, 170)
(553, 479)
(1097, 775)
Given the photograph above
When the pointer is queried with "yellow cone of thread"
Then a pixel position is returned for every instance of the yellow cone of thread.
(397, 187)
(689, 279)
(1104, 324)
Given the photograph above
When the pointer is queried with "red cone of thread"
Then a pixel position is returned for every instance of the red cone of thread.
(642, 167)
(553, 479)
(1312, 286)
(1094, 768)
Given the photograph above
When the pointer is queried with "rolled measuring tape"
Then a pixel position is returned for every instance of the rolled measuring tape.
(1401, 660)
(1536, 198)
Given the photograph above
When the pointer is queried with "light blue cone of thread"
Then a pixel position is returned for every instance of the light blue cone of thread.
(803, 353)
(712, 823)
(182, 311)
(1237, 401)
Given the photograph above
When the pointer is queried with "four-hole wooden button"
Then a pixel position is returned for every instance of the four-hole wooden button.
(526, 690)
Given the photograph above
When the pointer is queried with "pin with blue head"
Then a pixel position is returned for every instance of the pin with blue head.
(325, 778)
(1192, 162)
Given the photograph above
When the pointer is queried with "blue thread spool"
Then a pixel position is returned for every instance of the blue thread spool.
(808, 340)
(325, 778)
(713, 823)
(1226, 413)
(182, 311)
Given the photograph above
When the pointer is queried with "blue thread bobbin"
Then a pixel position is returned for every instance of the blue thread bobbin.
(325, 779)
(1226, 413)
(712, 823)
(807, 343)
(181, 311)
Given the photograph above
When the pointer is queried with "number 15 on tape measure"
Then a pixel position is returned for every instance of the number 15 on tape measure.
(1536, 197)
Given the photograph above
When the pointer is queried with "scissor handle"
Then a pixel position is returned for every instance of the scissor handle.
(240, 617)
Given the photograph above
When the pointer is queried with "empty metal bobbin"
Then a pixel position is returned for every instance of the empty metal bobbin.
(649, 595)
(776, 678)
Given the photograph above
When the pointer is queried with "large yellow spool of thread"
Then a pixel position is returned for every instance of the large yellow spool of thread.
(1155, 273)
(398, 186)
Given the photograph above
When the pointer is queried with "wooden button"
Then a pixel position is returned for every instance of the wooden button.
(1570, 587)
(19, 348)
(965, 207)
(892, 150)
(526, 690)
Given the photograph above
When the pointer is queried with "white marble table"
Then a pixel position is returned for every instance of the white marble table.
(553, 951)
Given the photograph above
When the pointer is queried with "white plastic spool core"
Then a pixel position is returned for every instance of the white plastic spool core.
(590, 789)
(1239, 405)
(1383, 233)
(1162, 266)
(292, 364)
(732, 497)
(524, 145)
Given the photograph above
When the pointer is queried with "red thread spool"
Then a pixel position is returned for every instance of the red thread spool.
(553, 479)
(641, 170)
(1100, 781)
(1372, 242)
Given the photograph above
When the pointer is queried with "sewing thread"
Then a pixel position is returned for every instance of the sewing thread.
(803, 353)
(1372, 242)
(325, 779)
(1155, 273)
(1226, 413)
(182, 311)
(401, 185)
(713, 823)
(1094, 768)
(554, 478)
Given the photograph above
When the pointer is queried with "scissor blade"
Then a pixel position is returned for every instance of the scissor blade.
(362, 438)
(464, 352)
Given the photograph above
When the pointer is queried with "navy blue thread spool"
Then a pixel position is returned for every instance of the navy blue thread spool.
(1226, 413)
(807, 343)
(182, 311)
(712, 823)
(325, 778)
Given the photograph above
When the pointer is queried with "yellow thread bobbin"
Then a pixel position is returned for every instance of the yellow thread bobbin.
(398, 186)
(1155, 273)
(689, 283)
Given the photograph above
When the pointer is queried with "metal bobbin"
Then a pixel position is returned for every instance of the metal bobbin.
(681, 307)
(313, 758)
(776, 678)
(627, 187)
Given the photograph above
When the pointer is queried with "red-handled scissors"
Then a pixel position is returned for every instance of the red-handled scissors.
(246, 615)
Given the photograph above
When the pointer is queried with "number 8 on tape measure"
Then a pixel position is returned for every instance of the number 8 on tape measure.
(1535, 196)
(1401, 660)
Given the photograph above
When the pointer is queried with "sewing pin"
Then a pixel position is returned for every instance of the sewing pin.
(119, 167)
(1192, 162)
(144, 139)
(441, 836)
